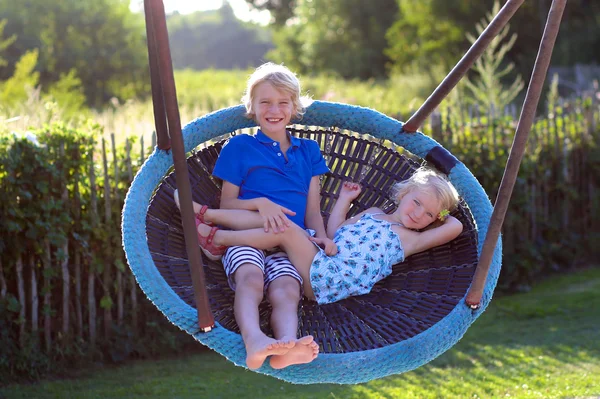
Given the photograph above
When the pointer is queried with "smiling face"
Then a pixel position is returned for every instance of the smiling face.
(418, 208)
(273, 109)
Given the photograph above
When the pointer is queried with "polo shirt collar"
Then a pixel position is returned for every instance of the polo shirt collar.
(263, 138)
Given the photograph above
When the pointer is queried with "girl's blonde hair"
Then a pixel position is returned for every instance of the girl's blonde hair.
(425, 178)
(283, 80)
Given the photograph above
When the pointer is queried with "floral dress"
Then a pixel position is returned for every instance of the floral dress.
(367, 250)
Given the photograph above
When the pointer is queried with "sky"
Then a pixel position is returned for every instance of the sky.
(240, 8)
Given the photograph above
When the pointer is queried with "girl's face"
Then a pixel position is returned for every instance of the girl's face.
(273, 108)
(418, 209)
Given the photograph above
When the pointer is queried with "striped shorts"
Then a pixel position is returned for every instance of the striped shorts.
(272, 264)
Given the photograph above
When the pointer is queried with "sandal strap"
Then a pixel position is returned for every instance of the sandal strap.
(211, 235)
(203, 210)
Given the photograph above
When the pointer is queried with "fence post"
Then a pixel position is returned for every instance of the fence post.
(133, 284)
(117, 199)
(436, 124)
(92, 270)
(107, 300)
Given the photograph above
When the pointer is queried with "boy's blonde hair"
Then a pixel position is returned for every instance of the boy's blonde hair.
(425, 178)
(283, 80)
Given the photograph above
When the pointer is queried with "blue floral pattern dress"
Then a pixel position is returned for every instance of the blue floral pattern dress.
(367, 250)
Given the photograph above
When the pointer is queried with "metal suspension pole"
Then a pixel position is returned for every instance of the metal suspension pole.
(532, 98)
(155, 15)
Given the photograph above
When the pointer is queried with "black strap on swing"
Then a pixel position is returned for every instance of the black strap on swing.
(166, 110)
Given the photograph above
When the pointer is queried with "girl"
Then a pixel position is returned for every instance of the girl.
(368, 244)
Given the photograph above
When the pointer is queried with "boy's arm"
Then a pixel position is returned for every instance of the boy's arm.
(230, 200)
(274, 216)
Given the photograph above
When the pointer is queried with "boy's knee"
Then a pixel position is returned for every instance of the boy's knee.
(249, 276)
(287, 289)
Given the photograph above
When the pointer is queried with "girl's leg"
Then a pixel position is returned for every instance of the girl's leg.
(237, 219)
(294, 242)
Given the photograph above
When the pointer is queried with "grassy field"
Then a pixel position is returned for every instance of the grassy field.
(541, 344)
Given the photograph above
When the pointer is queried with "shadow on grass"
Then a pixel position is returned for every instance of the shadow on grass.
(528, 345)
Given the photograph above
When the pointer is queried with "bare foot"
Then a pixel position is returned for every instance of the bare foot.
(258, 349)
(305, 351)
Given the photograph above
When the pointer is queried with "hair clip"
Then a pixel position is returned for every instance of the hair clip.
(443, 214)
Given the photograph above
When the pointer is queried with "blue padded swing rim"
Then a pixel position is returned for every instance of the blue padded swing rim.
(342, 368)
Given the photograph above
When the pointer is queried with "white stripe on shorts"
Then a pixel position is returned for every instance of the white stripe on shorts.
(273, 266)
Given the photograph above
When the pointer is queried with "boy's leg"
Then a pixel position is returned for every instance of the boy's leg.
(294, 241)
(284, 292)
(243, 266)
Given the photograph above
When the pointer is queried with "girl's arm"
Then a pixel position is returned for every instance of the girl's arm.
(274, 216)
(448, 231)
(313, 219)
(348, 193)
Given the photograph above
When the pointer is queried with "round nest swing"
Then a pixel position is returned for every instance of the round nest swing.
(407, 320)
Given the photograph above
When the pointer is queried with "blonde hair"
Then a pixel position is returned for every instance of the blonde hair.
(282, 79)
(424, 179)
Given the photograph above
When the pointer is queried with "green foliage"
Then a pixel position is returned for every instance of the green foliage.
(281, 10)
(26, 362)
(488, 90)
(4, 43)
(16, 89)
(67, 93)
(102, 40)
(340, 37)
(422, 37)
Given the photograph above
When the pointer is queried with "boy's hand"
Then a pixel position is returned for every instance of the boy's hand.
(274, 215)
(350, 191)
(327, 244)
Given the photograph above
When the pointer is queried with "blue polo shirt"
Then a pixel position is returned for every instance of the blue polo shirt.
(257, 166)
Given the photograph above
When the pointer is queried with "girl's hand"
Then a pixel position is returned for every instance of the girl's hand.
(274, 216)
(327, 244)
(350, 191)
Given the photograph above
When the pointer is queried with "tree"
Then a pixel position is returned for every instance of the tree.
(346, 37)
(488, 90)
(102, 40)
(4, 43)
(281, 10)
(432, 32)
(422, 37)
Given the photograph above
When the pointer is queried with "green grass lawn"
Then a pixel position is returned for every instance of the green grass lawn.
(542, 344)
